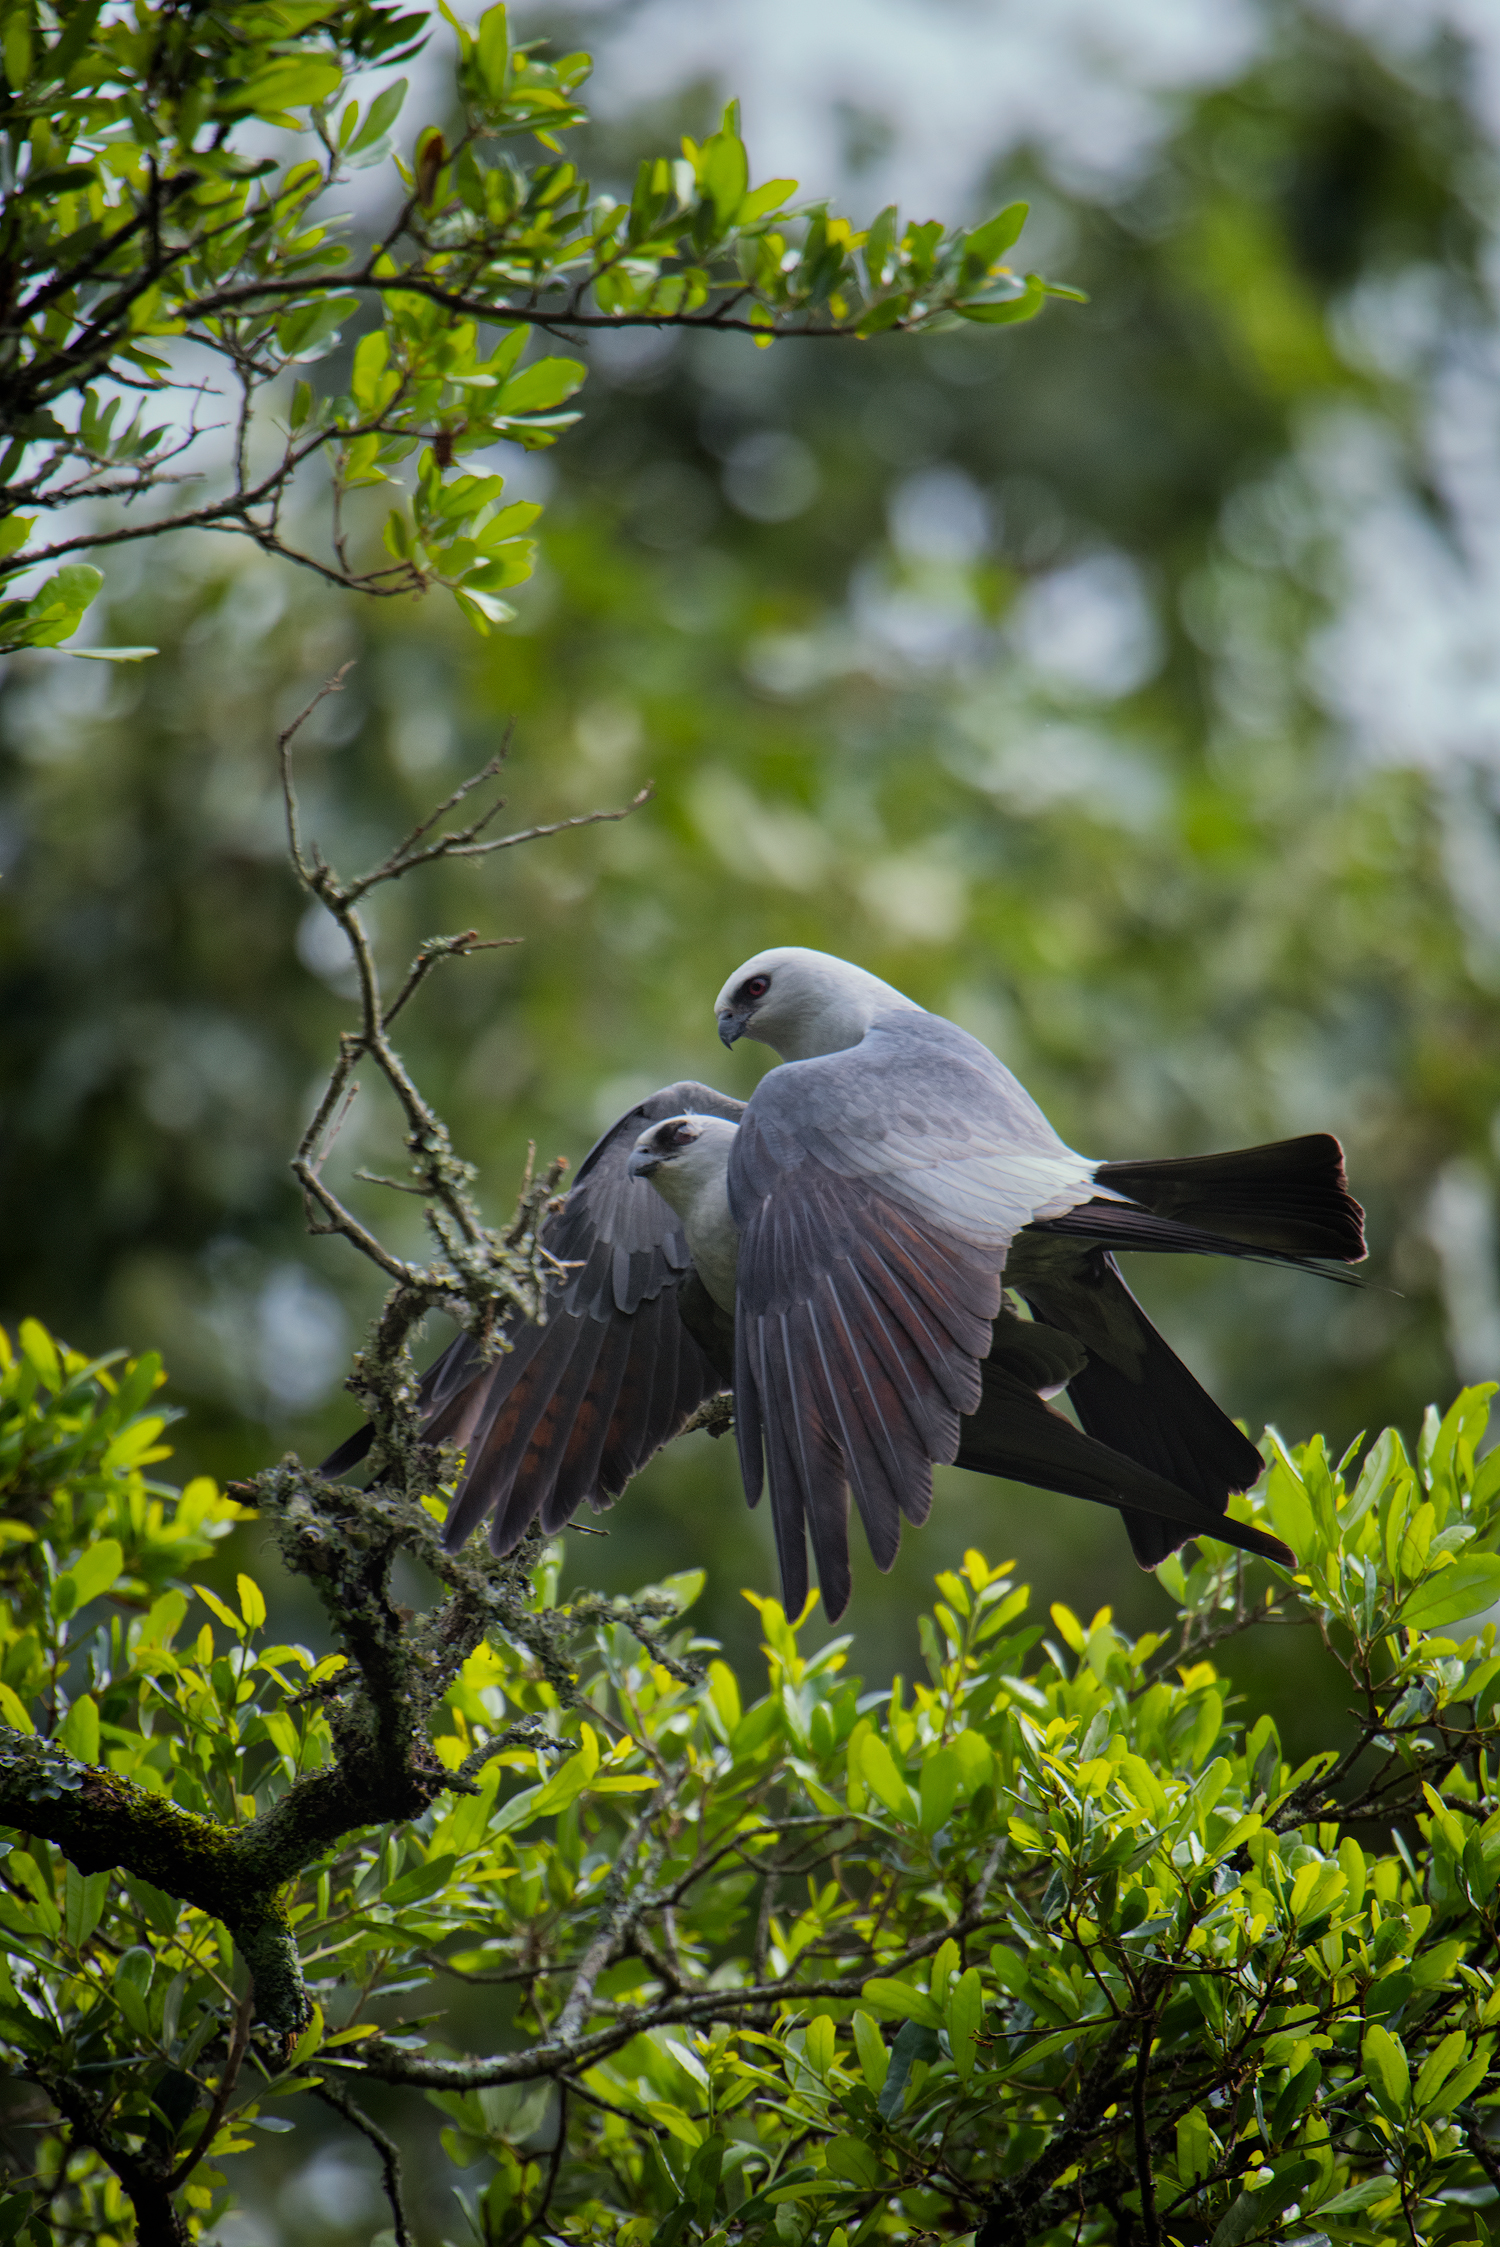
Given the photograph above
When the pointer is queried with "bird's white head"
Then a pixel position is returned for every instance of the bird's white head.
(803, 1003)
(683, 1155)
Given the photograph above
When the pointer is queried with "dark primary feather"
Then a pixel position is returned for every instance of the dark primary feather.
(1015, 1434)
(577, 1405)
(1134, 1394)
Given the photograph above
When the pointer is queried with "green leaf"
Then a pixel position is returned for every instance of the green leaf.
(226, 1615)
(1437, 2067)
(14, 2210)
(965, 2016)
(878, 1769)
(1460, 2086)
(902, 1997)
(880, 244)
(309, 2042)
(724, 173)
(571, 1776)
(159, 1910)
(370, 385)
(989, 243)
(84, 1897)
(1386, 2070)
(131, 1983)
(1026, 306)
(884, 314)
(914, 2042)
(423, 1881)
(54, 614)
(291, 82)
(854, 2160)
(818, 2044)
(311, 330)
(938, 1788)
(1257, 2211)
(761, 201)
(874, 2059)
(685, 1588)
(546, 382)
(492, 48)
(79, 1730)
(112, 655)
(94, 1571)
(380, 116)
(1360, 2196)
(1468, 1585)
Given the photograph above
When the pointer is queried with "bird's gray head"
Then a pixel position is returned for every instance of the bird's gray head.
(682, 1154)
(803, 1003)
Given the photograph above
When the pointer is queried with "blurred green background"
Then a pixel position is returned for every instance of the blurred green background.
(1125, 686)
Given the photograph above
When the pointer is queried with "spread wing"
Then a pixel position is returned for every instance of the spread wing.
(577, 1404)
(859, 1329)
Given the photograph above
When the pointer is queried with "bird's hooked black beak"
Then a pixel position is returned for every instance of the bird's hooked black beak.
(643, 1161)
(732, 1023)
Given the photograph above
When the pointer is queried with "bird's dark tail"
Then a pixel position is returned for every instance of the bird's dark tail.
(1290, 1199)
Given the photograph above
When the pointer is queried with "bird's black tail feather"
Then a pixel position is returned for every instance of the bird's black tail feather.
(1289, 1199)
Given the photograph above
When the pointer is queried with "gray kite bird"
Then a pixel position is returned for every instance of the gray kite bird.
(849, 1252)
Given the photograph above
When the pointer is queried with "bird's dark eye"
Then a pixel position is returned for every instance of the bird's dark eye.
(755, 987)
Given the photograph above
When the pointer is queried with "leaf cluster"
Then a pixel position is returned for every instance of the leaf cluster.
(135, 220)
(1050, 1943)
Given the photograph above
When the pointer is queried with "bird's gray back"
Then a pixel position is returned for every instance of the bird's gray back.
(927, 1113)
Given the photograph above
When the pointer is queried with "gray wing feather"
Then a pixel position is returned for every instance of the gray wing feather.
(858, 1333)
(578, 1403)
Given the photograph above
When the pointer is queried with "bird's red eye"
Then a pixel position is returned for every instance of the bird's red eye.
(755, 988)
(682, 1134)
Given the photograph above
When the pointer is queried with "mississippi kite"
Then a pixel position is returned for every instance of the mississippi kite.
(840, 1266)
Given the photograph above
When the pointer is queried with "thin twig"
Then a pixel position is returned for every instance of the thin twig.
(441, 948)
(1138, 2089)
(539, 2216)
(238, 2044)
(554, 827)
(388, 2150)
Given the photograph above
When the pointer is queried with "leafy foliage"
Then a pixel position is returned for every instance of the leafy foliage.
(1045, 1945)
(136, 219)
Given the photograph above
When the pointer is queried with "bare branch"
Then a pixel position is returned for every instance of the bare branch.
(284, 741)
(390, 2156)
(555, 827)
(437, 948)
(239, 2042)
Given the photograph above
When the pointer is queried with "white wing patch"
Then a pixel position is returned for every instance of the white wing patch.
(986, 1198)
